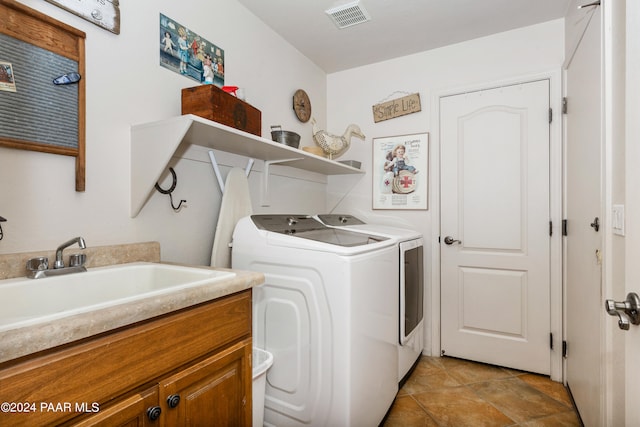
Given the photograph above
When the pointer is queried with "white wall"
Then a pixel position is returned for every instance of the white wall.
(126, 85)
(352, 93)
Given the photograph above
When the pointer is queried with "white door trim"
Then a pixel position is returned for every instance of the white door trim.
(555, 180)
(612, 131)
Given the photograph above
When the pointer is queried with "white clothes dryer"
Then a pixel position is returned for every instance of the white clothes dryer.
(327, 314)
(410, 284)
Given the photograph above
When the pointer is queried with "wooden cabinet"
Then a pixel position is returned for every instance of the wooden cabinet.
(194, 365)
(212, 390)
(133, 411)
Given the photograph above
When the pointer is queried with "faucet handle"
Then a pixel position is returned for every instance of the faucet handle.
(38, 263)
(77, 260)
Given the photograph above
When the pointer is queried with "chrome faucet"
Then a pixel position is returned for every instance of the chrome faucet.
(59, 263)
(38, 267)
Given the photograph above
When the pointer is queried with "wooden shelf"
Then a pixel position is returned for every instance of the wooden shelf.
(153, 145)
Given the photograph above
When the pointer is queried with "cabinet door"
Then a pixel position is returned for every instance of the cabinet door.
(130, 412)
(213, 392)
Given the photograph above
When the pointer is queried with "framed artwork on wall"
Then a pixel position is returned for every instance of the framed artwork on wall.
(185, 52)
(401, 172)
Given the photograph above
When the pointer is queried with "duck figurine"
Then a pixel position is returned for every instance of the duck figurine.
(335, 145)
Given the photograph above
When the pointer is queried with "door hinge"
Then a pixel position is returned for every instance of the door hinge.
(550, 228)
(564, 105)
(550, 115)
(564, 227)
(564, 349)
(551, 340)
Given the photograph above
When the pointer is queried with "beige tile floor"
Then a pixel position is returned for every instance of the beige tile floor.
(444, 391)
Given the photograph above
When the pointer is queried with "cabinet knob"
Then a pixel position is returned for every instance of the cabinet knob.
(154, 412)
(173, 400)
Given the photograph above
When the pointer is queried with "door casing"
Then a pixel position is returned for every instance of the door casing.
(555, 191)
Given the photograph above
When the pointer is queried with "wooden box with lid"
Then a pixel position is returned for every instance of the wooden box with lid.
(215, 104)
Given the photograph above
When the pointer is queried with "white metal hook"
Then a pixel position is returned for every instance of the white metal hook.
(216, 169)
(265, 178)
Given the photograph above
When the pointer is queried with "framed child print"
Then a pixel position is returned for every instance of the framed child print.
(185, 52)
(401, 172)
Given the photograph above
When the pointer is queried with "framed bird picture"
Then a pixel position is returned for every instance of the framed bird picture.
(401, 172)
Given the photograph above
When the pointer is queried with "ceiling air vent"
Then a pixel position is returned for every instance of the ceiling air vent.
(348, 14)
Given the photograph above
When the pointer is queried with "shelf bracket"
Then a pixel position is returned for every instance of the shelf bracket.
(265, 179)
(216, 169)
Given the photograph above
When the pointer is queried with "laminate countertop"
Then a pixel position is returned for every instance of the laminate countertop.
(26, 340)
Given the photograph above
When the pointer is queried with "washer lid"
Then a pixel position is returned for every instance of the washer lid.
(338, 237)
(350, 222)
(287, 224)
(307, 227)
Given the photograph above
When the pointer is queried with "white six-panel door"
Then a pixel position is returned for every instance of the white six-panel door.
(495, 276)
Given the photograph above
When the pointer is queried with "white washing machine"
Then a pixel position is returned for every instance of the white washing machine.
(327, 314)
(410, 283)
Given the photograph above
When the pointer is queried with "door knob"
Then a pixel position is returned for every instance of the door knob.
(450, 240)
(628, 311)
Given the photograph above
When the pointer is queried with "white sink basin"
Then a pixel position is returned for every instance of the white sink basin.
(29, 301)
